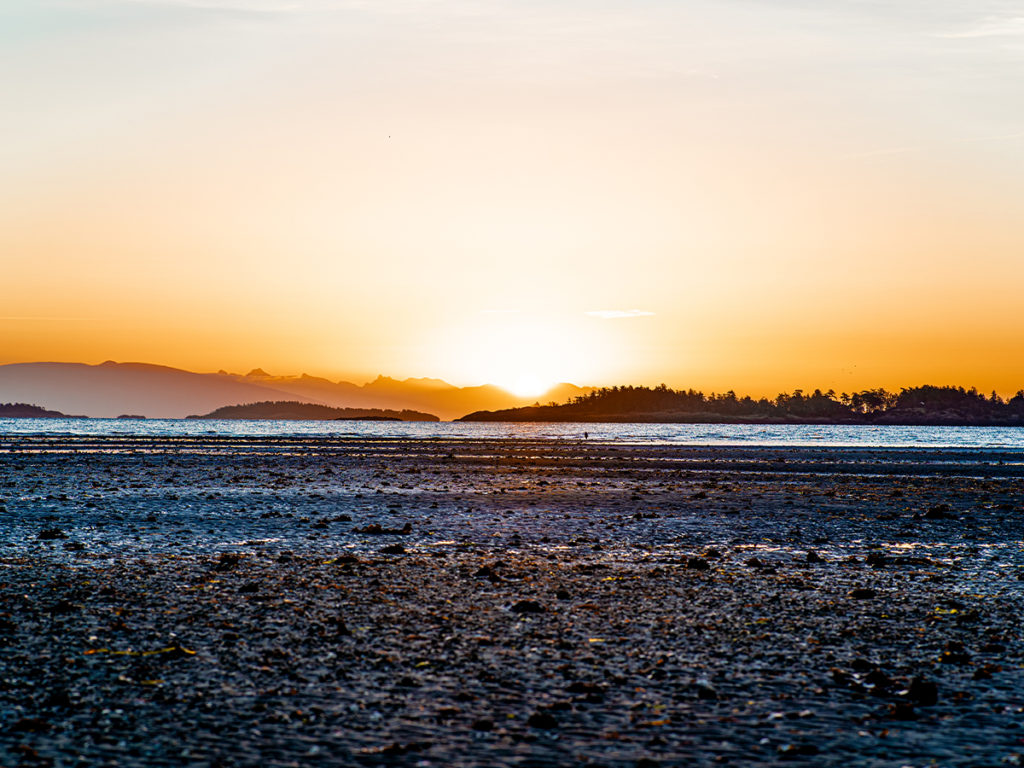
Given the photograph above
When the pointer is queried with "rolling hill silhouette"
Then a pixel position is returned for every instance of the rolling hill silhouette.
(110, 389)
(430, 395)
(158, 391)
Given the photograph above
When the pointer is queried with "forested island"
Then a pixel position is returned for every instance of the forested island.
(293, 410)
(918, 406)
(26, 411)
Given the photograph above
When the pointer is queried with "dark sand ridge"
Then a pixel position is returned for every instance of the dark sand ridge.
(240, 601)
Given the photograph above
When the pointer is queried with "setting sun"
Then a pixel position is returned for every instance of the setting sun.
(526, 385)
(525, 352)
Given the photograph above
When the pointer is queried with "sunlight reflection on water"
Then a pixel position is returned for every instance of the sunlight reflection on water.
(752, 435)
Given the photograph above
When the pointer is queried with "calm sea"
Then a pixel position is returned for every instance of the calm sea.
(654, 434)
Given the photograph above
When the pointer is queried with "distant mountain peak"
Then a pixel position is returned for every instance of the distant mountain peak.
(147, 367)
(421, 383)
(112, 388)
(426, 381)
(160, 391)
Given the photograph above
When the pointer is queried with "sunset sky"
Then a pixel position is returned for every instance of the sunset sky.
(748, 194)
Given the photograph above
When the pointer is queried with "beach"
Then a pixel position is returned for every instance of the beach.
(279, 601)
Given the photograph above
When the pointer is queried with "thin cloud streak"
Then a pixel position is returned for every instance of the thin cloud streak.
(619, 314)
(922, 148)
(236, 6)
(33, 318)
(1009, 26)
(383, 7)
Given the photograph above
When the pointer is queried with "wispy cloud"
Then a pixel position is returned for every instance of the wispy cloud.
(992, 138)
(32, 318)
(500, 311)
(239, 6)
(993, 26)
(382, 7)
(618, 314)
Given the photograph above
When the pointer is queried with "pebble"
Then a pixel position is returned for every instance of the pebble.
(527, 606)
(863, 593)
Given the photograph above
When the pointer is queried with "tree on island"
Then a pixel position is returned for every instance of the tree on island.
(911, 405)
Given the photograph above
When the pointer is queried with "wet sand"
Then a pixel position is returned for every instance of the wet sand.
(288, 601)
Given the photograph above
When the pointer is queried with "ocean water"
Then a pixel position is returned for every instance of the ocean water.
(753, 435)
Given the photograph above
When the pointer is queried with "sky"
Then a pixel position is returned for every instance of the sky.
(750, 194)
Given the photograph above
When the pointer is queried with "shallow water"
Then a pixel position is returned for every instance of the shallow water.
(806, 435)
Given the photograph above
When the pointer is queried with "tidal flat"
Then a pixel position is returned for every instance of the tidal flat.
(288, 601)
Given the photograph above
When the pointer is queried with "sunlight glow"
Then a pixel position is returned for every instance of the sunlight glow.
(525, 353)
(526, 385)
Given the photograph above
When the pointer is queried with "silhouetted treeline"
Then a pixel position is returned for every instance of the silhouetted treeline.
(290, 410)
(913, 405)
(27, 411)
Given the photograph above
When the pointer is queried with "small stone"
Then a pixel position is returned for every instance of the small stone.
(375, 529)
(58, 698)
(30, 725)
(924, 692)
(697, 564)
(486, 572)
(543, 720)
(841, 677)
(340, 628)
(955, 653)
(227, 561)
(863, 593)
(902, 710)
(880, 681)
(527, 606)
(61, 607)
(814, 557)
(706, 693)
(798, 749)
(583, 687)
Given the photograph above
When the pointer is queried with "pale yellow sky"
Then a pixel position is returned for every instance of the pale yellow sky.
(756, 194)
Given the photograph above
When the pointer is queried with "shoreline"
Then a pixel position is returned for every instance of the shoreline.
(632, 418)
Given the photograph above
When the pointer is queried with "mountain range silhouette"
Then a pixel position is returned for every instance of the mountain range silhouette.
(157, 391)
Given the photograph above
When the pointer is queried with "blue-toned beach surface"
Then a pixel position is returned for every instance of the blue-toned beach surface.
(307, 593)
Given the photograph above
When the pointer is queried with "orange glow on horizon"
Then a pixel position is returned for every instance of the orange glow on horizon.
(596, 195)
